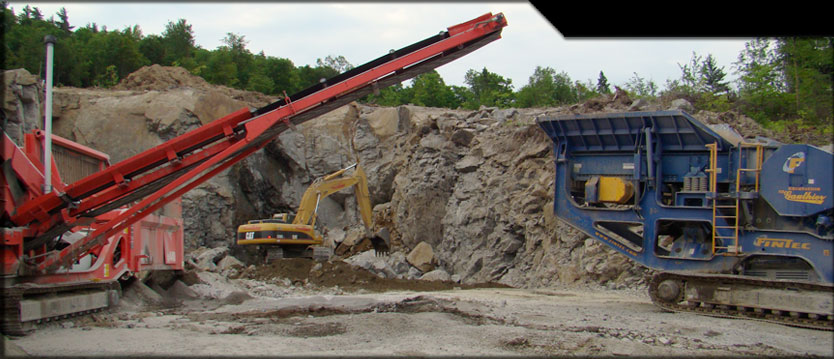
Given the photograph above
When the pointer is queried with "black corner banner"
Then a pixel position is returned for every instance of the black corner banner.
(688, 20)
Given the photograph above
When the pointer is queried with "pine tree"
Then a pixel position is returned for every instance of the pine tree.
(713, 76)
(64, 20)
(602, 84)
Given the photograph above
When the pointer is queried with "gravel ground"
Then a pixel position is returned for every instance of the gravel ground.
(294, 321)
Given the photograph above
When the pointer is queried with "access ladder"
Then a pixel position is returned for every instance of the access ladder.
(726, 206)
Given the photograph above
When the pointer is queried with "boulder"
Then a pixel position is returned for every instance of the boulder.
(229, 262)
(437, 275)
(385, 122)
(207, 260)
(681, 104)
(638, 105)
(422, 257)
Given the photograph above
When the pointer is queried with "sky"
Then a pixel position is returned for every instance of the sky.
(363, 31)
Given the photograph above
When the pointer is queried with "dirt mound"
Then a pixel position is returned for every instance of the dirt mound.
(160, 78)
(163, 78)
(347, 277)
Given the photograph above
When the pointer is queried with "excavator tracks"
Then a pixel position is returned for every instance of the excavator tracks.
(24, 306)
(793, 303)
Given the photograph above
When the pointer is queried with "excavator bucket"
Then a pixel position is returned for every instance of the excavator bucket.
(381, 242)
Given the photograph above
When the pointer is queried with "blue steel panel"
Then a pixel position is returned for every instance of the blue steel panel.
(622, 132)
(797, 180)
(614, 165)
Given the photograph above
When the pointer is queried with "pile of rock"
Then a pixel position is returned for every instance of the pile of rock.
(419, 264)
(216, 260)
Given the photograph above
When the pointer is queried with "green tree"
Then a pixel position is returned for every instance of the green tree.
(284, 75)
(582, 92)
(713, 76)
(309, 76)
(108, 78)
(546, 88)
(807, 67)
(64, 20)
(702, 75)
(221, 68)
(430, 90)
(123, 51)
(23, 39)
(602, 84)
(641, 87)
(394, 95)
(488, 89)
(259, 80)
(762, 91)
(702, 83)
(178, 41)
(338, 63)
(242, 58)
(463, 95)
(153, 48)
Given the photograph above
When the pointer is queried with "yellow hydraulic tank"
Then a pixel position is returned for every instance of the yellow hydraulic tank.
(614, 190)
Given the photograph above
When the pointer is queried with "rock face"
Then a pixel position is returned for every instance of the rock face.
(22, 98)
(474, 187)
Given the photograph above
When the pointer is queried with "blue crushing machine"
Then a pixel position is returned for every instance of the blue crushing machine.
(731, 227)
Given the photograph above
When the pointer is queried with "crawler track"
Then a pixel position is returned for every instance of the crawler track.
(13, 296)
(772, 315)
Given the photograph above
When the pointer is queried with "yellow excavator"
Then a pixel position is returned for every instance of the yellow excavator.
(286, 236)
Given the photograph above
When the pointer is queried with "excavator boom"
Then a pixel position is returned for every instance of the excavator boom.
(330, 184)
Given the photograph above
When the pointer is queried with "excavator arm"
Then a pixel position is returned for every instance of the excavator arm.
(325, 186)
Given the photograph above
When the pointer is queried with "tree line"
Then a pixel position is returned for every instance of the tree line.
(780, 81)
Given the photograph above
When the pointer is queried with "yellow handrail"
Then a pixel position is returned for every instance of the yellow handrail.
(713, 164)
